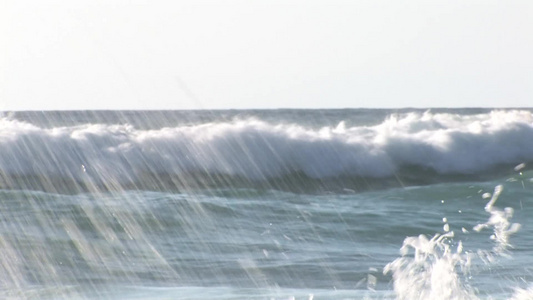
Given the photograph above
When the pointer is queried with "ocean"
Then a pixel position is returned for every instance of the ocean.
(267, 204)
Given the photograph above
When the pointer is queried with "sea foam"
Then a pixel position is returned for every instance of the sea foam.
(256, 150)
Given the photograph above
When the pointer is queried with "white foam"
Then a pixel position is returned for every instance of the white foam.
(254, 149)
(436, 271)
(523, 294)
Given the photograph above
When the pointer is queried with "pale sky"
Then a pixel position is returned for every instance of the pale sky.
(199, 54)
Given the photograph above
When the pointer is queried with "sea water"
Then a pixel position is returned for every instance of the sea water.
(275, 204)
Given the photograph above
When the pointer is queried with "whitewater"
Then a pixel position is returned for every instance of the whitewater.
(267, 204)
(412, 146)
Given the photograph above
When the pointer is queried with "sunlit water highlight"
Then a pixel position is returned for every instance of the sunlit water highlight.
(93, 211)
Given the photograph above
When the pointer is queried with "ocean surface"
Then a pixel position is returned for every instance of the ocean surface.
(267, 204)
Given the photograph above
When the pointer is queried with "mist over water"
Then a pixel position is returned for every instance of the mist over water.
(325, 204)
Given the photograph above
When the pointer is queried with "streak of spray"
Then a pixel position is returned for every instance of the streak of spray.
(437, 270)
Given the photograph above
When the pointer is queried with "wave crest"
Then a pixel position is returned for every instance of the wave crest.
(412, 145)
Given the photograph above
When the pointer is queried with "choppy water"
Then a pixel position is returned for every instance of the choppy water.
(323, 204)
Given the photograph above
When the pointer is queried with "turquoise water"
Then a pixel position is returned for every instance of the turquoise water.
(241, 205)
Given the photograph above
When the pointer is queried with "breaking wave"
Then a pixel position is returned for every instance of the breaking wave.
(411, 148)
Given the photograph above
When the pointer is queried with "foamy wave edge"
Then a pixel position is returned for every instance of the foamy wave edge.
(409, 145)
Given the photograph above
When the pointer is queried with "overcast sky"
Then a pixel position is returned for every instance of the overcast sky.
(194, 54)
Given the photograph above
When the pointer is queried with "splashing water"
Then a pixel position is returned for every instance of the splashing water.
(439, 271)
(499, 221)
(523, 294)
(431, 273)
